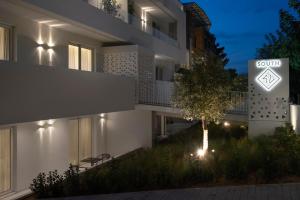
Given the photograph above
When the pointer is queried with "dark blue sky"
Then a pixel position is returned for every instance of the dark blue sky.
(240, 25)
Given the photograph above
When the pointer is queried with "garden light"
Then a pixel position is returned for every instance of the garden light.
(226, 124)
(201, 153)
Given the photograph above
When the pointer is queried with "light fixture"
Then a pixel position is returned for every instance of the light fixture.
(227, 124)
(45, 125)
(51, 121)
(201, 153)
(41, 123)
(40, 48)
(213, 151)
(102, 115)
(40, 41)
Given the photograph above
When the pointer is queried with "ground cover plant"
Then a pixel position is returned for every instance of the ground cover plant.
(232, 158)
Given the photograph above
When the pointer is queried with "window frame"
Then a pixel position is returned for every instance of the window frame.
(11, 162)
(78, 134)
(80, 46)
(11, 31)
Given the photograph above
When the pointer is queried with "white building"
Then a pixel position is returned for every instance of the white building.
(78, 79)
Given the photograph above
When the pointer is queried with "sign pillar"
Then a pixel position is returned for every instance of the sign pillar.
(268, 87)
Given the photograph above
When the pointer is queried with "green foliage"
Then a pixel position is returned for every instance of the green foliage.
(49, 185)
(286, 42)
(202, 91)
(169, 165)
(111, 6)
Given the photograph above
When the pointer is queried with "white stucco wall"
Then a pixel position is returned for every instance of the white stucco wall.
(128, 131)
(295, 117)
(35, 151)
(39, 152)
(28, 32)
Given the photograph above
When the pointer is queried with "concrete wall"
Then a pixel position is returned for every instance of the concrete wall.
(29, 33)
(39, 93)
(128, 131)
(295, 117)
(37, 150)
(104, 24)
(268, 107)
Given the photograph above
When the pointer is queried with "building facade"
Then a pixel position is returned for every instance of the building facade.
(80, 79)
(197, 28)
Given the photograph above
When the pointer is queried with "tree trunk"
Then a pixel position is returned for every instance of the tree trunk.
(205, 134)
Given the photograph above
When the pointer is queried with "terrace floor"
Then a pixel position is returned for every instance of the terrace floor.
(261, 192)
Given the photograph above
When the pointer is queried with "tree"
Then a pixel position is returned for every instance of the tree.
(239, 82)
(201, 91)
(285, 43)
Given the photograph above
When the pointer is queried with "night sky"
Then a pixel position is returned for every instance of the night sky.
(240, 26)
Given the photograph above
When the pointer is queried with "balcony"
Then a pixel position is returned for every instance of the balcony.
(31, 93)
(163, 92)
(137, 22)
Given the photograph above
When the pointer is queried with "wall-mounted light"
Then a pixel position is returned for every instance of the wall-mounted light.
(45, 125)
(102, 115)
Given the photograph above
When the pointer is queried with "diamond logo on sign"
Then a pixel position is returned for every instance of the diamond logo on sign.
(268, 79)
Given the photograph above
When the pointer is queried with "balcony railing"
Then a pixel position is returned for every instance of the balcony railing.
(162, 94)
(135, 21)
(239, 102)
(164, 90)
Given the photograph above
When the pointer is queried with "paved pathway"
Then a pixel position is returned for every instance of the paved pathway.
(262, 192)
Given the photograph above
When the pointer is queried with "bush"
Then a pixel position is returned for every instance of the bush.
(49, 185)
(169, 165)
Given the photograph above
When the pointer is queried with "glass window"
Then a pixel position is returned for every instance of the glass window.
(73, 57)
(80, 140)
(5, 160)
(4, 43)
(86, 59)
(80, 58)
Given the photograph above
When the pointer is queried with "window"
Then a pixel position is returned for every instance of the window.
(80, 58)
(80, 140)
(159, 73)
(4, 43)
(86, 59)
(5, 160)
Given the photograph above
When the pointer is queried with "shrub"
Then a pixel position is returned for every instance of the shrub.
(49, 185)
(169, 165)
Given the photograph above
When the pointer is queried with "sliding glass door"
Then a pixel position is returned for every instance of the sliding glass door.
(80, 140)
(5, 160)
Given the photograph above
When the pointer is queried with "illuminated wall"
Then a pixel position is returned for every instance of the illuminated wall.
(295, 117)
(268, 95)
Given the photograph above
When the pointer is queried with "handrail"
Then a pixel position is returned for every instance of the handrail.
(135, 21)
(163, 92)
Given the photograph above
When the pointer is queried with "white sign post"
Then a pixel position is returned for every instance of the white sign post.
(268, 95)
